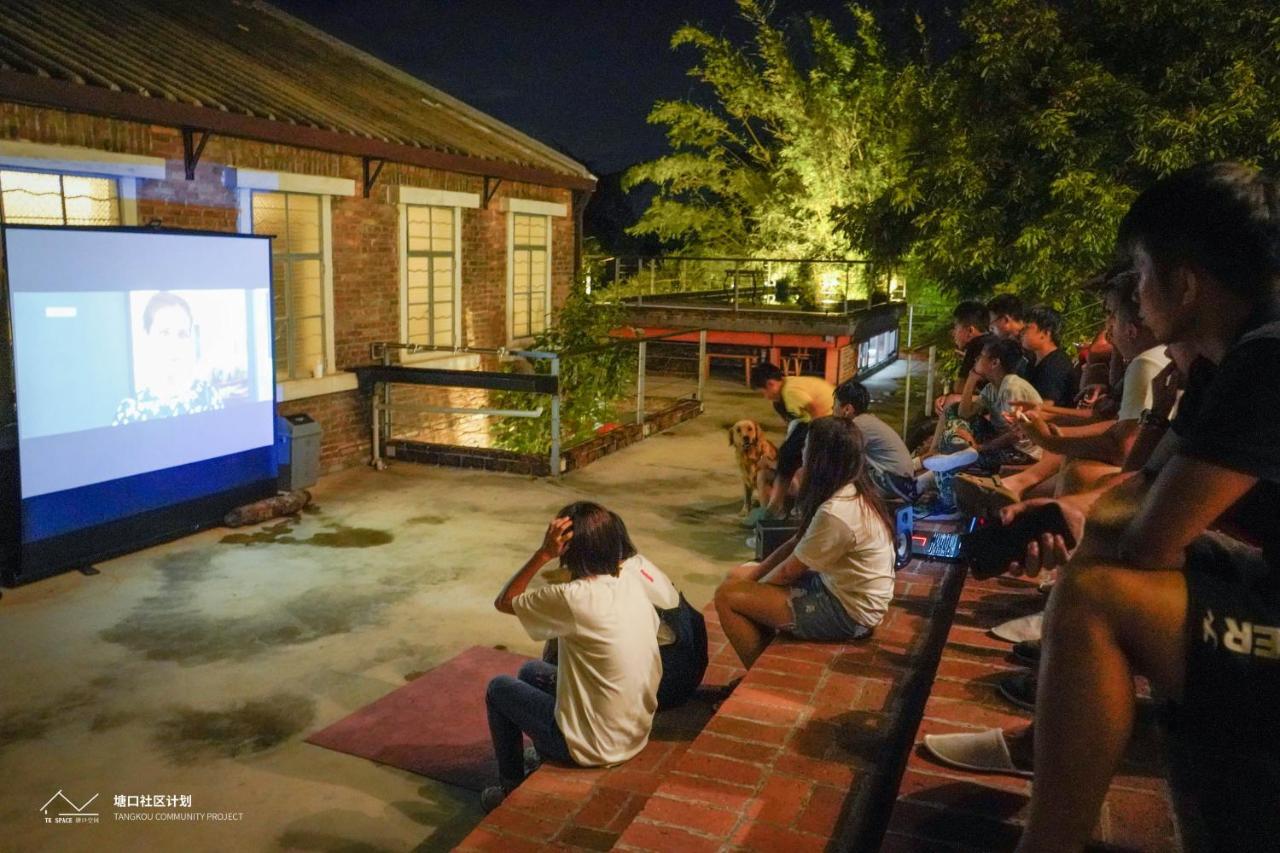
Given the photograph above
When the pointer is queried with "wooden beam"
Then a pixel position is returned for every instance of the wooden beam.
(76, 97)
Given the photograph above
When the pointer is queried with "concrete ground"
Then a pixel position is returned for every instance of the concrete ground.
(198, 667)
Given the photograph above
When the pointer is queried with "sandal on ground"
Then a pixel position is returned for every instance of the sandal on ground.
(982, 496)
(978, 752)
(1020, 629)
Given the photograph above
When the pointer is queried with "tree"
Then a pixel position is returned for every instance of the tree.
(796, 133)
(1027, 145)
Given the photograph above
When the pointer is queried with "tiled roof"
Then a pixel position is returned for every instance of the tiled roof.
(240, 64)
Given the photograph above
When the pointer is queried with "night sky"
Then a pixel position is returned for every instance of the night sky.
(577, 75)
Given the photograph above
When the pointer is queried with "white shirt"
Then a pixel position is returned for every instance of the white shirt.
(998, 401)
(1138, 375)
(609, 666)
(661, 591)
(849, 546)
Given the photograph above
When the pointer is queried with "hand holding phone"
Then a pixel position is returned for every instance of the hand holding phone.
(993, 549)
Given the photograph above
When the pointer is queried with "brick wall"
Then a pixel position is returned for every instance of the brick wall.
(365, 251)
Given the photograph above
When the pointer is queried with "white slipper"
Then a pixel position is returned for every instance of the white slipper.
(979, 752)
(951, 461)
(1021, 629)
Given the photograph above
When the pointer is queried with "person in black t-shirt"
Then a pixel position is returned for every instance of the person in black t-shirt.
(1052, 374)
(1007, 315)
(1177, 574)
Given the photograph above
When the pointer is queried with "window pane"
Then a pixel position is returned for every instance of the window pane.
(309, 340)
(306, 289)
(91, 201)
(280, 348)
(268, 218)
(32, 198)
(304, 223)
(537, 231)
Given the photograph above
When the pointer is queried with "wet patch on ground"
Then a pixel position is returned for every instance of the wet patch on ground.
(188, 636)
(336, 536)
(31, 723)
(108, 720)
(429, 519)
(188, 735)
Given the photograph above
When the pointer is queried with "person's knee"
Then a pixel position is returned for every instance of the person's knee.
(499, 685)
(530, 671)
(731, 592)
(1088, 591)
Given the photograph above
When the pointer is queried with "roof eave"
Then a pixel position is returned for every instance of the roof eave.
(75, 97)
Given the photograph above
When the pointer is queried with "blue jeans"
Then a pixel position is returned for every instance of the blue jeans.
(520, 706)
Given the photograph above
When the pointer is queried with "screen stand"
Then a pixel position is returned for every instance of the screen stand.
(89, 570)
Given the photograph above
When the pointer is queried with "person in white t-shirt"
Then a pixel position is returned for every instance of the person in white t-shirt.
(832, 581)
(682, 634)
(595, 707)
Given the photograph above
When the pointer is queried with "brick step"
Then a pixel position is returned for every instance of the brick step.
(806, 752)
(938, 808)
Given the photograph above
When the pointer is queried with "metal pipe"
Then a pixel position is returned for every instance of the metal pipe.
(424, 409)
(376, 461)
(928, 382)
(386, 397)
(702, 364)
(640, 370)
(906, 396)
(555, 420)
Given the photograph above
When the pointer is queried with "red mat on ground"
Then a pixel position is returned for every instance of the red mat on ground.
(435, 725)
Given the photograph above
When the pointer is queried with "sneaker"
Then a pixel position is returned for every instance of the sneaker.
(532, 761)
(492, 797)
(951, 461)
(1020, 689)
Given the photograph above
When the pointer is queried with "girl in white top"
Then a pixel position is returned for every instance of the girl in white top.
(595, 707)
(834, 579)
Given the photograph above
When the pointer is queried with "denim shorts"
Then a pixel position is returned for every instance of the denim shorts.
(816, 614)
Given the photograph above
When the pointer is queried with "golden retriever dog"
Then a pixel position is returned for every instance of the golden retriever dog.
(757, 461)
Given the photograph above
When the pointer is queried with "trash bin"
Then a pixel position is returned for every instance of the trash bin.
(298, 452)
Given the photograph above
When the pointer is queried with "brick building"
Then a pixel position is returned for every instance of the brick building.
(400, 214)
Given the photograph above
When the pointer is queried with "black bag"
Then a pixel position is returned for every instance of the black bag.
(684, 661)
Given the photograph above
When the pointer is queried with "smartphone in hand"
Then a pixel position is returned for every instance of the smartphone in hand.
(988, 551)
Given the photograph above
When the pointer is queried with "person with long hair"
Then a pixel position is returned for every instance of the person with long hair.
(595, 707)
(833, 580)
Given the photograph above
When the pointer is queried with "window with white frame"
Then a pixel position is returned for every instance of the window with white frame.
(53, 198)
(431, 275)
(530, 273)
(297, 279)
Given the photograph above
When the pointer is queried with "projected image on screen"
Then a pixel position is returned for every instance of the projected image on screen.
(190, 354)
(137, 354)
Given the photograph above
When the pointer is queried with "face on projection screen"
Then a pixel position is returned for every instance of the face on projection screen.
(137, 352)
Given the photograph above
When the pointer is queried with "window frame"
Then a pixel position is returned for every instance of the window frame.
(455, 283)
(529, 207)
(245, 182)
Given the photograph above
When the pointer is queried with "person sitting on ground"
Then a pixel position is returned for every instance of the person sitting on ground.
(832, 581)
(1095, 449)
(595, 707)
(1156, 586)
(968, 333)
(889, 459)
(802, 398)
(1052, 374)
(682, 636)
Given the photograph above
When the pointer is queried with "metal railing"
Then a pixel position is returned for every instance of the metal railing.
(653, 384)
(834, 285)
